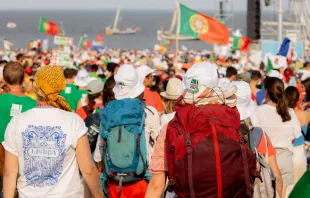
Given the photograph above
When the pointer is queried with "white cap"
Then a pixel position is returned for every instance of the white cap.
(95, 86)
(127, 83)
(274, 73)
(245, 105)
(82, 78)
(143, 71)
(199, 77)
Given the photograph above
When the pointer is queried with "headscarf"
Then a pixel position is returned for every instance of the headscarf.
(49, 81)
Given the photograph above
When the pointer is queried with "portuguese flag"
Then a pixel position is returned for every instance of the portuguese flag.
(168, 42)
(84, 42)
(201, 26)
(48, 27)
(241, 43)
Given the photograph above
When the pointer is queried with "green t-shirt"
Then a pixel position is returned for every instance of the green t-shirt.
(73, 95)
(93, 75)
(83, 93)
(11, 105)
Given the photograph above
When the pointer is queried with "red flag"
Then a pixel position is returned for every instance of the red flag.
(87, 44)
(100, 37)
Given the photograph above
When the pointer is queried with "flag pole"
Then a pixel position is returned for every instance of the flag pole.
(62, 34)
(177, 32)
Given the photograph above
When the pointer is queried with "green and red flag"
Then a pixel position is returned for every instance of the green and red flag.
(168, 42)
(201, 26)
(270, 66)
(241, 43)
(48, 27)
(84, 42)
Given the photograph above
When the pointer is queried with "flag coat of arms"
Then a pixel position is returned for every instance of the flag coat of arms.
(198, 25)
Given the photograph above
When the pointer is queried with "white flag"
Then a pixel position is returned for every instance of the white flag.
(7, 45)
(45, 45)
(11, 25)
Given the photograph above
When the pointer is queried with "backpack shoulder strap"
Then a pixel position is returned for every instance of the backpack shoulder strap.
(255, 137)
(149, 110)
(86, 109)
(266, 144)
(142, 122)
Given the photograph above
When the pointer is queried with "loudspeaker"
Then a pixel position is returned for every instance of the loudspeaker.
(254, 19)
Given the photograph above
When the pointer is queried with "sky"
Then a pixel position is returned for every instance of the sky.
(113, 4)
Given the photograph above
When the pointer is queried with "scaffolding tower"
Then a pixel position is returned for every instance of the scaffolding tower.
(286, 18)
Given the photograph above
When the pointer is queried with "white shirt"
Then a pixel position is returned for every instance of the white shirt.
(44, 140)
(280, 133)
(166, 118)
(152, 129)
(223, 82)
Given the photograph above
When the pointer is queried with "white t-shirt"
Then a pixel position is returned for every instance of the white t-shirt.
(44, 140)
(280, 133)
(223, 82)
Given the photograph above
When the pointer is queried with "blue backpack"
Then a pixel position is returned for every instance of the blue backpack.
(123, 147)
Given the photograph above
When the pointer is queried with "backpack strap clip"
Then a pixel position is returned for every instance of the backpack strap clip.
(188, 140)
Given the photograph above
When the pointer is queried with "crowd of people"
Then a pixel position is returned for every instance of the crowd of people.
(141, 123)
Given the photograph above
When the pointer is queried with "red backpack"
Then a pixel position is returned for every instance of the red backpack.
(206, 154)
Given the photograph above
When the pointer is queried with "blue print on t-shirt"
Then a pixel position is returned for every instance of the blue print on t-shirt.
(44, 152)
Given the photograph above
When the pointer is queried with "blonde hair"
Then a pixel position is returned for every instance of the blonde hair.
(169, 105)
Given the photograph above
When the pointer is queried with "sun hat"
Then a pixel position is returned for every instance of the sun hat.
(144, 71)
(127, 83)
(173, 90)
(245, 105)
(199, 77)
(82, 78)
(95, 86)
(49, 81)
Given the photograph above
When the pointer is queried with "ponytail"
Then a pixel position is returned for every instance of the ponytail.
(275, 90)
(108, 94)
(91, 101)
(282, 108)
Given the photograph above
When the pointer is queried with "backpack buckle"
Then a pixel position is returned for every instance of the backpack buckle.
(188, 140)
(171, 182)
(171, 149)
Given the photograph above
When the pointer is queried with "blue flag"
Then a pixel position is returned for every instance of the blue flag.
(284, 47)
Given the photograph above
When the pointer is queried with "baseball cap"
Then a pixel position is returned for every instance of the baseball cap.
(245, 105)
(199, 77)
(127, 83)
(95, 86)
